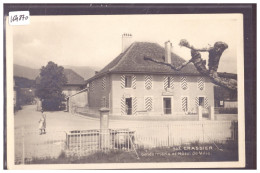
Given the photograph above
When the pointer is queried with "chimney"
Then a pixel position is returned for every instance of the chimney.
(126, 41)
(168, 52)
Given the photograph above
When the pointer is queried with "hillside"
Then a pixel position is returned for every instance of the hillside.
(84, 71)
(29, 73)
(25, 72)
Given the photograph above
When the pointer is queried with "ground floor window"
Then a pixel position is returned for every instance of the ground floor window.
(201, 101)
(128, 106)
(167, 106)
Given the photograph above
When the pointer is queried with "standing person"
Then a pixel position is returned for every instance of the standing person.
(42, 123)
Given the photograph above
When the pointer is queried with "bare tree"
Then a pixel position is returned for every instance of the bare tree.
(226, 80)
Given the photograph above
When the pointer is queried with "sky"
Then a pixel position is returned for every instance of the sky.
(92, 40)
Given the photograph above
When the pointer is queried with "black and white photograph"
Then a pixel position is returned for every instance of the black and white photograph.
(125, 91)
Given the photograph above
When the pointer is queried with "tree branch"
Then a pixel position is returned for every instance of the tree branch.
(167, 64)
(186, 44)
(225, 80)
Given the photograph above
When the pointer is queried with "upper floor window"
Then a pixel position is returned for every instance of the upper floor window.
(128, 81)
(168, 82)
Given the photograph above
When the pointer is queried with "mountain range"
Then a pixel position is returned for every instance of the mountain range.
(22, 71)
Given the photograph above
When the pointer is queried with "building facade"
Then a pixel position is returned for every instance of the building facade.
(131, 85)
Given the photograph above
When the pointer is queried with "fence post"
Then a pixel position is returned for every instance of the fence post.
(80, 147)
(234, 128)
(200, 113)
(104, 131)
(168, 135)
(23, 152)
(211, 113)
(203, 133)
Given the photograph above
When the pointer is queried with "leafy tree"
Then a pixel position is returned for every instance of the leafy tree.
(49, 87)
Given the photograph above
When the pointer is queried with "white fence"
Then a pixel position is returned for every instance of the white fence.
(30, 145)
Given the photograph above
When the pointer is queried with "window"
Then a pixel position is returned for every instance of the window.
(201, 101)
(128, 81)
(167, 105)
(168, 82)
(128, 106)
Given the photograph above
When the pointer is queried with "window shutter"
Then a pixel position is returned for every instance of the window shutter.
(148, 82)
(184, 104)
(134, 82)
(201, 83)
(171, 82)
(184, 84)
(123, 106)
(134, 105)
(148, 103)
(196, 102)
(123, 81)
(92, 86)
(104, 83)
(165, 82)
(206, 102)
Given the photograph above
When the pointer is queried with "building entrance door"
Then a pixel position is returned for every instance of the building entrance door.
(128, 106)
(167, 105)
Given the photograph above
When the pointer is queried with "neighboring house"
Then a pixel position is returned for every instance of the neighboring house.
(130, 85)
(74, 84)
(225, 98)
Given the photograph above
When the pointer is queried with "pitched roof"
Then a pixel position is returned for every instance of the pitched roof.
(132, 61)
(73, 77)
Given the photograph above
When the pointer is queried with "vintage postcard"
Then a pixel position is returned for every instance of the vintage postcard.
(125, 91)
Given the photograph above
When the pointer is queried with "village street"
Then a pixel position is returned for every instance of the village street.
(28, 118)
(58, 124)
